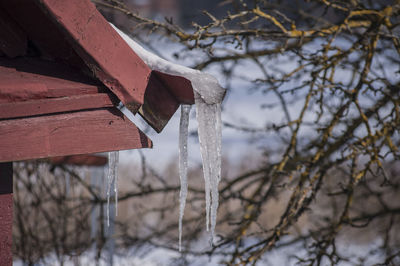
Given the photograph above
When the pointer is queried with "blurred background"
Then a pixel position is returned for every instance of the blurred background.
(310, 167)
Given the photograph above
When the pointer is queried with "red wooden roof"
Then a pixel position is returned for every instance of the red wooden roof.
(47, 109)
(75, 32)
(63, 71)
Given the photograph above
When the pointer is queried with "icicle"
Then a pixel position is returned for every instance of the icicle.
(112, 177)
(209, 120)
(115, 170)
(208, 98)
(216, 167)
(203, 122)
(183, 164)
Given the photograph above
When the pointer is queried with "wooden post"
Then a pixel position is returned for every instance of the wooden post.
(6, 213)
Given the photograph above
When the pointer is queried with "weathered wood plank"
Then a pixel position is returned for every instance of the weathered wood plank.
(104, 51)
(164, 94)
(27, 79)
(92, 131)
(159, 104)
(56, 105)
(83, 38)
(178, 86)
(6, 213)
(80, 160)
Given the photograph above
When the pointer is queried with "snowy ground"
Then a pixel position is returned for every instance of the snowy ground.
(163, 257)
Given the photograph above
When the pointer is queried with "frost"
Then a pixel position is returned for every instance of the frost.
(112, 177)
(183, 164)
(208, 98)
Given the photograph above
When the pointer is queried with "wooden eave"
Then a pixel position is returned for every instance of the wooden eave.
(63, 71)
(75, 32)
(48, 109)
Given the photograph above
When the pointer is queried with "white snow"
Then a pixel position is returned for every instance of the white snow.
(113, 158)
(208, 97)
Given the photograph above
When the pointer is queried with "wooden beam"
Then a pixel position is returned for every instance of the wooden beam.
(6, 213)
(56, 105)
(24, 79)
(92, 131)
(103, 50)
(164, 94)
(80, 160)
(159, 105)
(84, 39)
(178, 86)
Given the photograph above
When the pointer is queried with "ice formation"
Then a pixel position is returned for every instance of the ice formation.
(183, 164)
(208, 98)
(113, 158)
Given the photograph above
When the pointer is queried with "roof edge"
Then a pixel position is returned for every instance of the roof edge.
(108, 56)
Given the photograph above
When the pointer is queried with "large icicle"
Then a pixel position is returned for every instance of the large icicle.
(113, 158)
(208, 98)
(183, 164)
(208, 117)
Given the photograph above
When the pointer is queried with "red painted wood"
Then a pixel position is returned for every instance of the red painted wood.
(104, 51)
(80, 160)
(81, 36)
(26, 79)
(159, 105)
(13, 41)
(92, 131)
(179, 86)
(164, 94)
(56, 105)
(6, 214)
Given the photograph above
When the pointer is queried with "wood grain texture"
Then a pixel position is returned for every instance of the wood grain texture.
(164, 94)
(104, 51)
(56, 105)
(6, 214)
(92, 131)
(159, 105)
(178, 86)
(28, 79)
(80, 160)
(82, 38)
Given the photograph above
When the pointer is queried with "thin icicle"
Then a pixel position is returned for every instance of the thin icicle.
(115, 170)
(183, 164)
(208, 98)
(112, 177)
